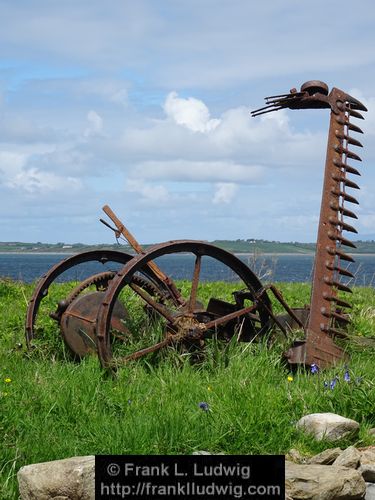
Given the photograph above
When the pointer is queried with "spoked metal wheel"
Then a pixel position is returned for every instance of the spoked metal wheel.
(76, 312)
(195, 318)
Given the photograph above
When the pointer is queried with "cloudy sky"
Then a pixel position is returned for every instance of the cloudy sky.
(144, 105)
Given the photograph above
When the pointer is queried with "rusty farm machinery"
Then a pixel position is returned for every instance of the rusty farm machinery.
(94, 316)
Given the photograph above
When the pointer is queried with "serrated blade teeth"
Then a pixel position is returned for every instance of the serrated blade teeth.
(346, 227)
(341, 121)
(342, 210)
(347, 213)
(347, 153)
(331, 314)
(353, 127)
(352, 170)
(339, 302)
(335, 236)
(348, 168)
(351, 112)
(348, 139)
(355, 104)
(340, 253)
(335, 333)
(340, 270)
(337, 284)
(346, 181)
(346, 197)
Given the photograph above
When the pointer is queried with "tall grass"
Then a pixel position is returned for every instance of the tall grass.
(52, 407)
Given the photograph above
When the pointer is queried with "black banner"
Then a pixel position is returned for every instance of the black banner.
(190, 477)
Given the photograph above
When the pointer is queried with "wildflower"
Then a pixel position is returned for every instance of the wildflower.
(204, 406)
(290, 378)
(8, 380)
(347, 376)
(314, 368)
(333, 383)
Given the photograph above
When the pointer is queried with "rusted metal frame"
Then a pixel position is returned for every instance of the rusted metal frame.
(41, 289)
(318, 346)
(148, 350)
(324, 275)
(96, 279)
(151, 302)
(159, 274)
(195, 283)
(228, 317)
(124, 276)
(277, 294)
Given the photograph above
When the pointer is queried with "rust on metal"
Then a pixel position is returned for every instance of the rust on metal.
(121, 229)
(319, 347)
(95, 320)
(191, 323)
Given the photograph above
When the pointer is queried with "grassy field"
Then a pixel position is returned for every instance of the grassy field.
(52, 407)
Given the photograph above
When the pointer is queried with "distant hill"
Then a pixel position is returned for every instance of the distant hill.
(234, 246)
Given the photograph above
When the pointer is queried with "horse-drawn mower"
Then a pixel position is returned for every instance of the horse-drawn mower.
(95, 316)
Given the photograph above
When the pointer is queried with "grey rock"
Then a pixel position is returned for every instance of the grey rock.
(326, 457)
(295, 456)
(368, 472)
(68, 479)
(367, 467)
(349, 458)
(327, 426)
(201, 452)
(370, 491)
(323, 482)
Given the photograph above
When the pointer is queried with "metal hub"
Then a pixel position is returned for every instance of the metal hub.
(78, 323)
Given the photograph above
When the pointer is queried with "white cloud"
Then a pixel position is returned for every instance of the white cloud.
(190, 112)
(198, 171)
(149, 192)
(95, 124)
(224, 193)
(33, 181)
(11, 163)
(110, 90)
(101, 114)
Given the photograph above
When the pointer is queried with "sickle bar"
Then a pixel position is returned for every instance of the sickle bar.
(325, 310)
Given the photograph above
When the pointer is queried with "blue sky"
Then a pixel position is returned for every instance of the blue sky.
(144, 105)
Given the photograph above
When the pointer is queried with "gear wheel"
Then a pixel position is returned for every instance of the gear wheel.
(101, 281)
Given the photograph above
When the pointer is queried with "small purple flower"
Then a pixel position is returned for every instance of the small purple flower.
(314, 368)
(347, 376)
(204, 406)
(333, 383)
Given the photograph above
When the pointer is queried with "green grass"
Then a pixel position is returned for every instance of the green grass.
(55, 408)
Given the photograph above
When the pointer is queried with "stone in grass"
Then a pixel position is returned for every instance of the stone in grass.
(326, 457)
(348, 458)
(367, 467)
(328, 426)
(66, 479)
(323, 482)
(370, 491)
